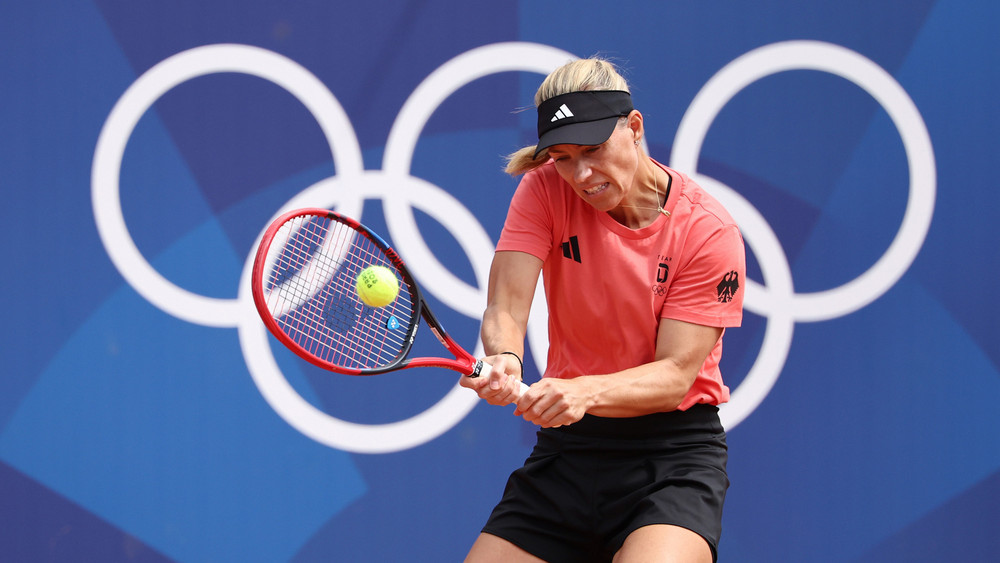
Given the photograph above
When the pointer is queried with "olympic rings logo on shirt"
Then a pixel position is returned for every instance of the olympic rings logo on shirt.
(400, 193)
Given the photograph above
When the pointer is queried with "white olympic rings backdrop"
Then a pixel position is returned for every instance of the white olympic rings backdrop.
(399, 192)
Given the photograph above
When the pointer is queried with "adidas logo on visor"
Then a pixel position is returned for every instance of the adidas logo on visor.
(562, 113)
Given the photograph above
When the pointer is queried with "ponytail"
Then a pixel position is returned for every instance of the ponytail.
(524, 161)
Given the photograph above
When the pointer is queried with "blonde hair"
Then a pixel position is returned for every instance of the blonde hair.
(583, 74)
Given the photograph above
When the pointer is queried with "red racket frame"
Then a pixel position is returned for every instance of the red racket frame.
(463, 362)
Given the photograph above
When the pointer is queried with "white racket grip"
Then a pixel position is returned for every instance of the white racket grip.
(487, 369)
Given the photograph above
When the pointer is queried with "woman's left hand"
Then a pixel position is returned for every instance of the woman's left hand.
(552, 402)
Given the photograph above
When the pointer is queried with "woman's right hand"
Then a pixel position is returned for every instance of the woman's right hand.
(502, 386)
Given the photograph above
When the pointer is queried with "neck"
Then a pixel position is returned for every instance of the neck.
(644, 203)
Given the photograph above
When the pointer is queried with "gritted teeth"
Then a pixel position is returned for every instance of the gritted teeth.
(595, 189)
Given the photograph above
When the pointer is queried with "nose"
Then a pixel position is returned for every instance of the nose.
(581, 171)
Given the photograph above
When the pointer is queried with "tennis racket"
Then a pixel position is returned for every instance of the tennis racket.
(304, 284)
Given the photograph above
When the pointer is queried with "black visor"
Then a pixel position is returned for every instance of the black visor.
(581, 118)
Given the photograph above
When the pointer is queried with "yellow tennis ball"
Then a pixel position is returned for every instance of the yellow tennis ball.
(377, 286)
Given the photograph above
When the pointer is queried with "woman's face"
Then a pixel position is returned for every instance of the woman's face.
(602, 175)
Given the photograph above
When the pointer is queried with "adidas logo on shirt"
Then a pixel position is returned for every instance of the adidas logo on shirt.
(562, 113)
(571, 249)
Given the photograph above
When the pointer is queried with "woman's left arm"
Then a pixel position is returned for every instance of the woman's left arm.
(659, 386)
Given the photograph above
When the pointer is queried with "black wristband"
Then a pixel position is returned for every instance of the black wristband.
(519, 362)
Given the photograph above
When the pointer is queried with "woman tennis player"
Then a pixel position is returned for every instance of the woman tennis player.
(642, 275)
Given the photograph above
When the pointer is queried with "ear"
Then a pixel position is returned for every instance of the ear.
(635, 124)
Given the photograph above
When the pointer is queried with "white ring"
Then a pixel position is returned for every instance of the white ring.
(302, 415)
(125, 115)
(837, 60)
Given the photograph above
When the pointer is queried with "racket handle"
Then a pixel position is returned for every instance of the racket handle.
(485, 371)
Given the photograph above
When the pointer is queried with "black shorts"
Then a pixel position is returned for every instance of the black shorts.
(587, 486)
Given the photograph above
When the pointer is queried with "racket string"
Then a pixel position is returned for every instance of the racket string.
(320, 306)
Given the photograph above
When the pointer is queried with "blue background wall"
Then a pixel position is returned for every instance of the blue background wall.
(145, 417)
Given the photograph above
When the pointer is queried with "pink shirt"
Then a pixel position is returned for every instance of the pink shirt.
(608, 286)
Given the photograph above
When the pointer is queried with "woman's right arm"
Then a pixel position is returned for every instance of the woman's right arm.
(513, 277)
